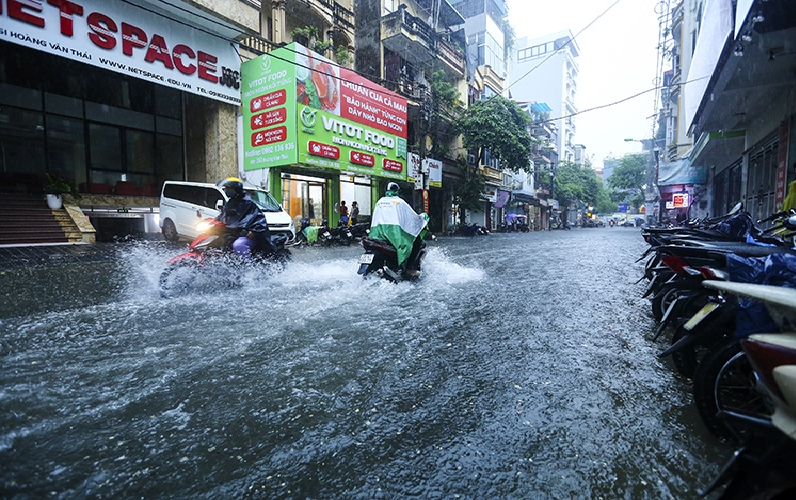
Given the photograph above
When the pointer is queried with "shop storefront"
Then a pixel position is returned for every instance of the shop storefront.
(114, 98)
(320, 134)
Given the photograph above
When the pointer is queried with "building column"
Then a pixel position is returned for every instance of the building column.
(211, 139)
(278, 22)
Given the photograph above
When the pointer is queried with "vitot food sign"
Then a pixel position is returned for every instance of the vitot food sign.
(126, 39)
(299, 107)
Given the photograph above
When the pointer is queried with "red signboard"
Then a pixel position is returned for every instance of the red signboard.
(372, 105)
(324, 150)
(273, 117)
(277, 134)
(361, 158)
(268, 101)
(392, 165)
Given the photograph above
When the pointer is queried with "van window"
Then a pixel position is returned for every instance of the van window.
(264, 200)
(212, 197)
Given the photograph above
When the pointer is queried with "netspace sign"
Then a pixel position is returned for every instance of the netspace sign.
(128, 40)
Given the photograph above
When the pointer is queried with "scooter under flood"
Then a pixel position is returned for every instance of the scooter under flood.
(210, 257)
(381, 259)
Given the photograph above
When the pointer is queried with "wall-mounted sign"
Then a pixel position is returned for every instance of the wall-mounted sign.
(434, 172)
(300, 107)
(126, 39)
(679, 200)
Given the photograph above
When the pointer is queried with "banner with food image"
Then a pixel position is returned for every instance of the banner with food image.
(321, 115)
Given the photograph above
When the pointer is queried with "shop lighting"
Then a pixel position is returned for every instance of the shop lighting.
(759, 17)
(746, 36)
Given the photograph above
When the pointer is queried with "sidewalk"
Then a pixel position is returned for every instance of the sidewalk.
(21, 256)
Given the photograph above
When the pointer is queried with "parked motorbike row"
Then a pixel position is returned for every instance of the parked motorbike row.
(724, 293)
(324, 235)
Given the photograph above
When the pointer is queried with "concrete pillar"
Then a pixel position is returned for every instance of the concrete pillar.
(211, 139)
(278, 17)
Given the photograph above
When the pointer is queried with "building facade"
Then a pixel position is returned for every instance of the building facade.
(545, 70)
(116, 97)
(738, 107)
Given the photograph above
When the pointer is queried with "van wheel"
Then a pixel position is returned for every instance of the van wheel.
(169, 231)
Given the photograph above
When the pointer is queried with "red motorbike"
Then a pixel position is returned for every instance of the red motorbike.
(210, 257)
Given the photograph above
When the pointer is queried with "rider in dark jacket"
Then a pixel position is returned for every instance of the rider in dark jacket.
(245, 220)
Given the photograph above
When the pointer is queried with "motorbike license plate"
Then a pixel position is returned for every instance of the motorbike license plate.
(366, 258)
(698, 317)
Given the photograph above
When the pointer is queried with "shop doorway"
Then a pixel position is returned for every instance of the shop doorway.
(304, 198)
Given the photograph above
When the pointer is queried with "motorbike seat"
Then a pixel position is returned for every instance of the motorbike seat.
(378, 245)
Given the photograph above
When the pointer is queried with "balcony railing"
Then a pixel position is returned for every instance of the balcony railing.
(409, 35)
(257, 44)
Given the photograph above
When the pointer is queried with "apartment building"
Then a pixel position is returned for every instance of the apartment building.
(545, 70)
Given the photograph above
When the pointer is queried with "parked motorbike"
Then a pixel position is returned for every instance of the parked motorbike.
(212, 251)
(763, 466)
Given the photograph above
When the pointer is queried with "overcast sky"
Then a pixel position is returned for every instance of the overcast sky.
(617, 60)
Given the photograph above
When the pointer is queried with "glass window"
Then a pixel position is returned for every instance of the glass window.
(264, 200)
(140, 149)
(106, 147)
(168, 102)
(20, 97)
(63, 105)
(169, 158)
(66, 150)
(21, 141)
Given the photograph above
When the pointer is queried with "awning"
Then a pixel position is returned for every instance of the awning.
(718, 148)
(522, 197)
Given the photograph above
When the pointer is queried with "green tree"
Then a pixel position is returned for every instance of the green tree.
(442, 111)
(579, 183)
(629, 179)
(500, 125)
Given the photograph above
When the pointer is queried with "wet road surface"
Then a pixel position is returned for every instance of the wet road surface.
(520, 366)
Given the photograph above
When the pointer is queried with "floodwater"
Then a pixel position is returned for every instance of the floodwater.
(520, 366)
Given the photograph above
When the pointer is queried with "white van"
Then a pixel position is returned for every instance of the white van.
(184, 204)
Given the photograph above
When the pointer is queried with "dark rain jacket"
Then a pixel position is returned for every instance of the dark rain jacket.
(243, 214)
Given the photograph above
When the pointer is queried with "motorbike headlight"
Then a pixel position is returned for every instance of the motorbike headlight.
(203, 226)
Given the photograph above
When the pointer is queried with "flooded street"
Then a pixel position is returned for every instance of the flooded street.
(520, 366)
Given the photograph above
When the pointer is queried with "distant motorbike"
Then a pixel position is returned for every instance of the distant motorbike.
(214, 246)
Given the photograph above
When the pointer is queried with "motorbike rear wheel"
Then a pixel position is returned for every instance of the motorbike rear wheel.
(724, 380)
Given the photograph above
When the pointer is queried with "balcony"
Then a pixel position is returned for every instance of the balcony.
(493, 175)
(411, 37)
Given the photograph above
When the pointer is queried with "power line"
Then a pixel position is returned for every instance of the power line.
(270, 54)
(569, 41)
(657, 87)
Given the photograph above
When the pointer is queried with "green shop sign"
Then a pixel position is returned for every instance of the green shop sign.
(301, 108)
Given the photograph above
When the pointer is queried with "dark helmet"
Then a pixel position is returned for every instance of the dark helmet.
(393, 186)
(232, 187)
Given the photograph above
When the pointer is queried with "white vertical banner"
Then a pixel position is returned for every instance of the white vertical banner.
(434, 172)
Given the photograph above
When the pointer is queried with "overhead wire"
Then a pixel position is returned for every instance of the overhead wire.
(270, 54)
(568, 42)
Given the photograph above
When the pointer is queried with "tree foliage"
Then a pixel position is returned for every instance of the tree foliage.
(629, 178)
(500, 125)
(443, 110)
(575, 182)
